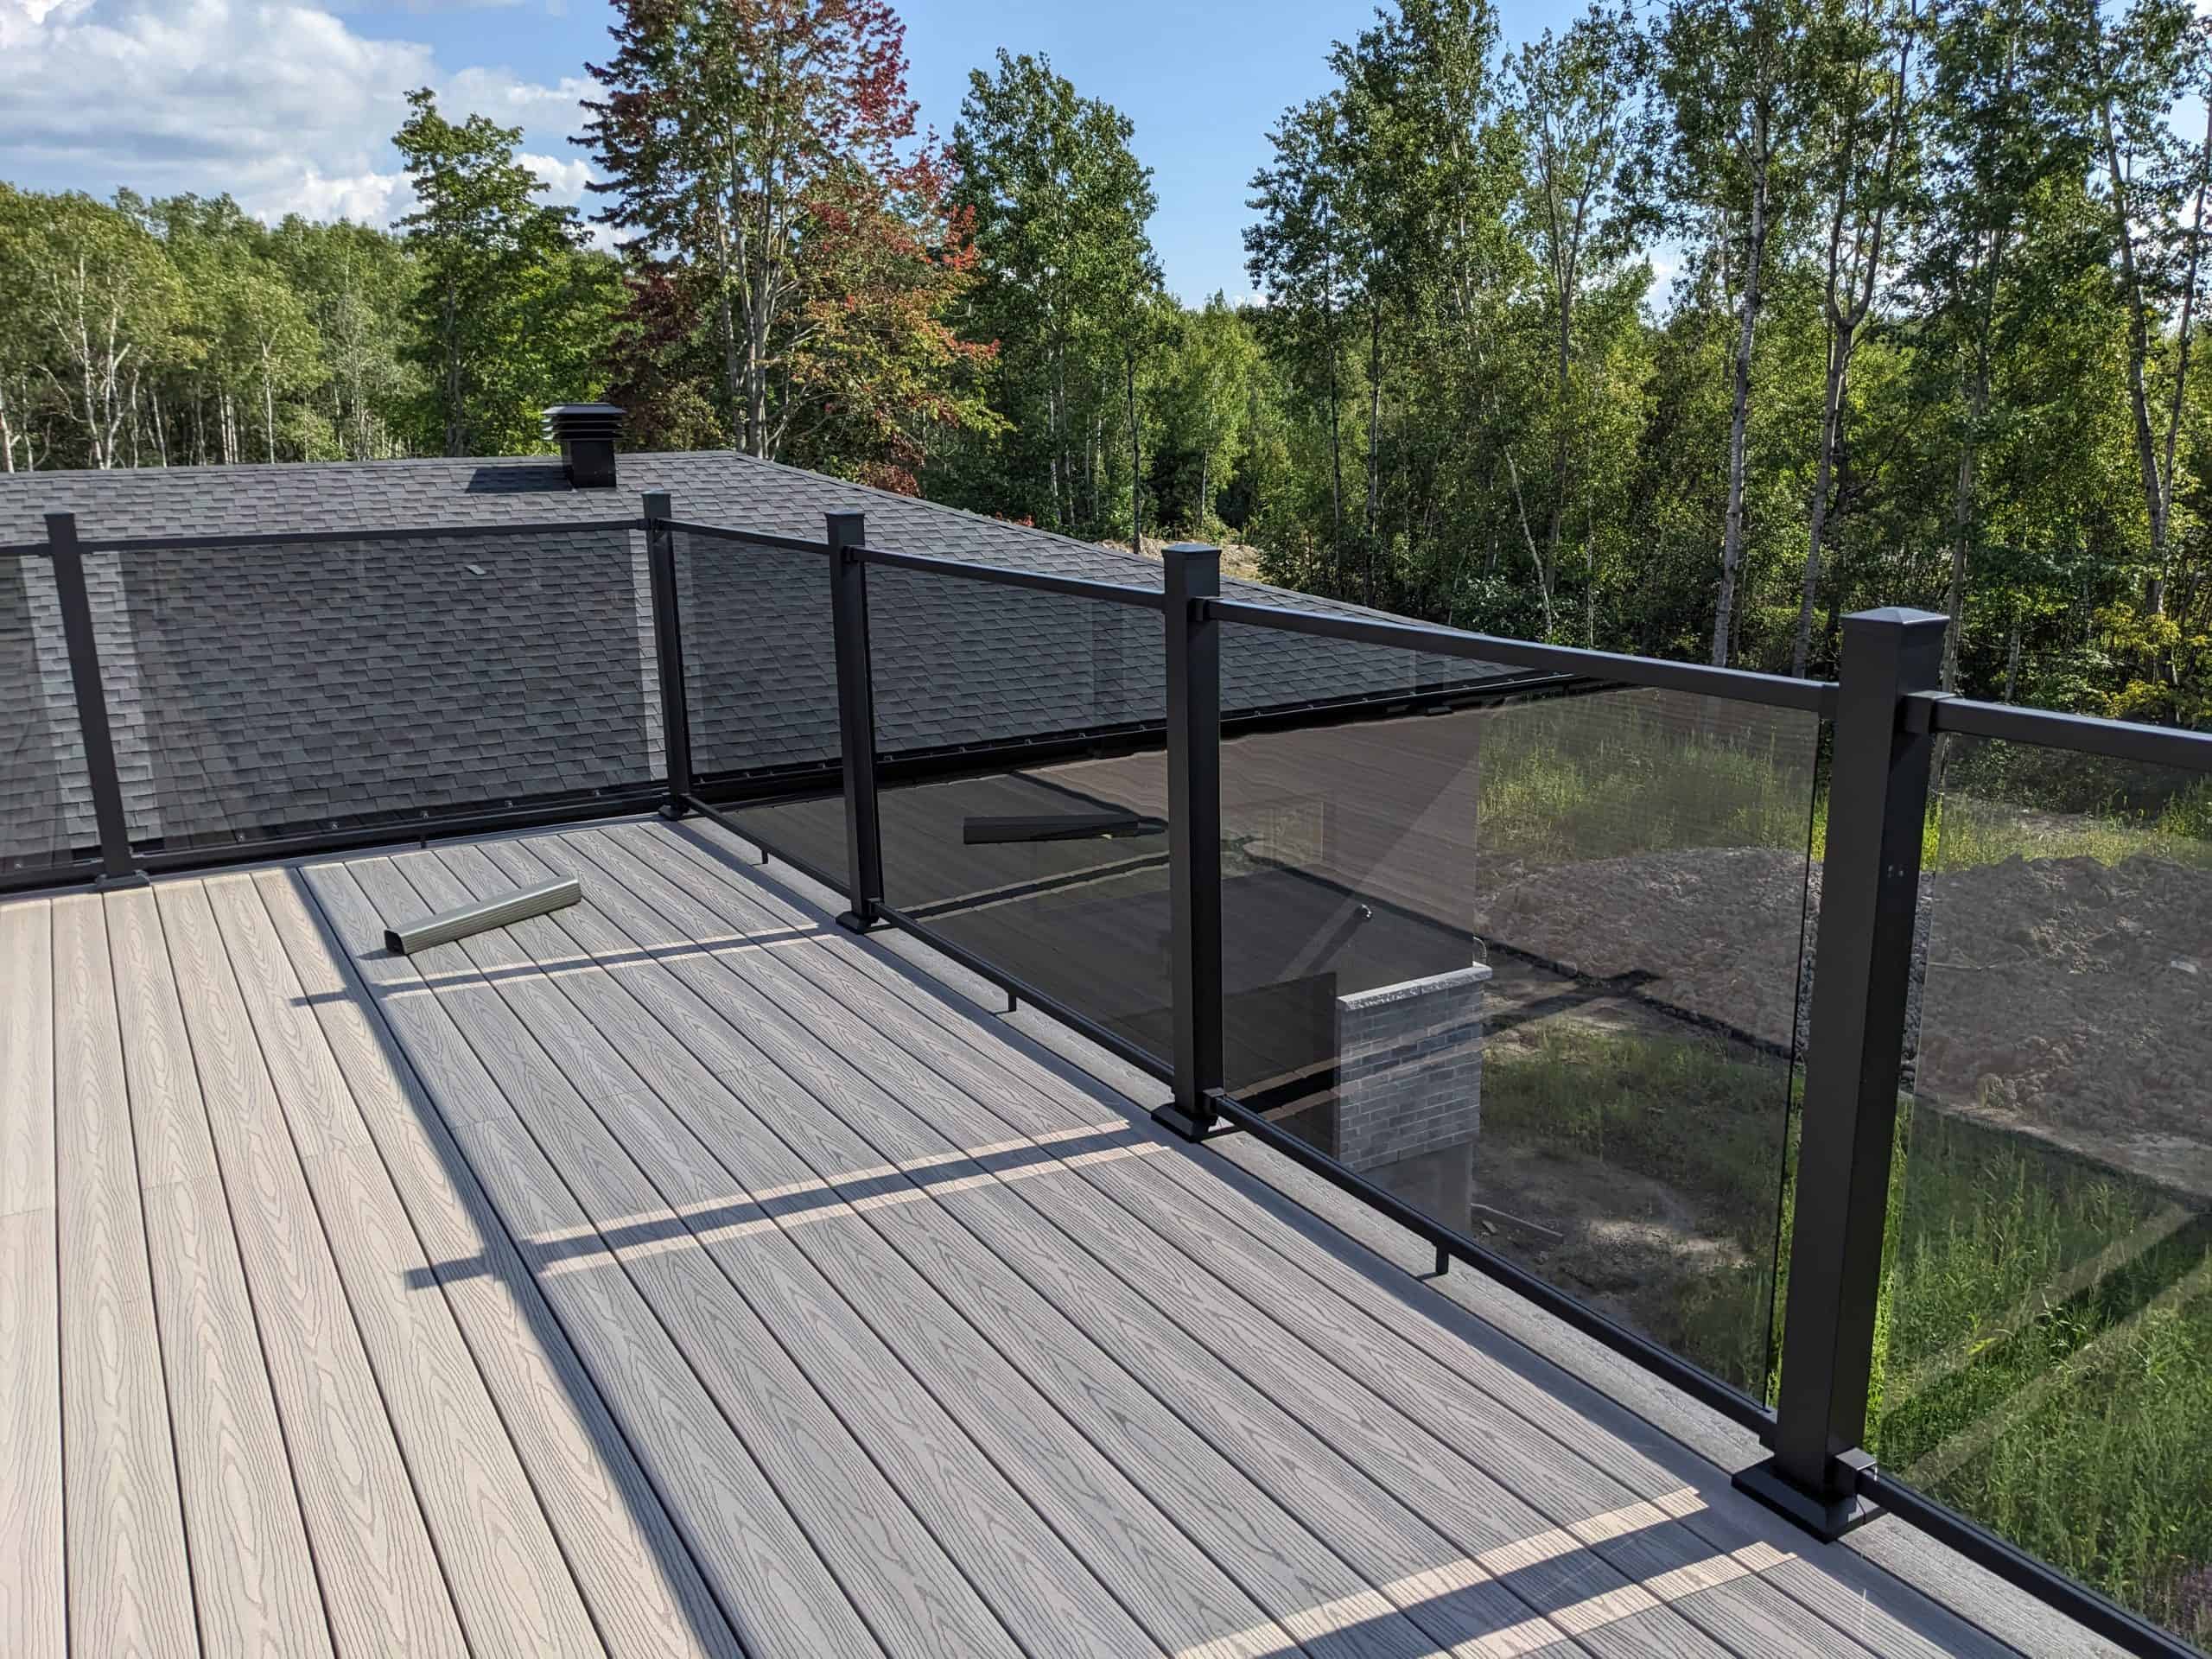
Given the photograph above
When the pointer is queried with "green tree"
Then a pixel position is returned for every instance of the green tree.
(356, 282)
(509, 306)
(1861, 141)
(1297, 255)
(2006, 132)
(1579, 104)
(1737, 79)
(764, 159)
(1058, 203)
(1214, 372)
(96, 304)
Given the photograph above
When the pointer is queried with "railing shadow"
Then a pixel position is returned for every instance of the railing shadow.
(506, 1260)
(1309, 1207)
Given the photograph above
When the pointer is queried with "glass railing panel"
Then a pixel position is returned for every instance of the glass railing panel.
(1530, 962)
(45, 807)
(2045, 1359)
(761, 682)
(1024, 799)
(264, 689)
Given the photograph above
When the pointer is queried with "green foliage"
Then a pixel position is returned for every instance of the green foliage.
(1068, 298)
(794, 258)
(2043, 1336)
(509, 306)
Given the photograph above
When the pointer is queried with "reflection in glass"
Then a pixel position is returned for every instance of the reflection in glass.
(1532, 963)
(2046, 1364)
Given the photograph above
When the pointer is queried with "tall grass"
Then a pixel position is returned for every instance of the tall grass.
(2063, 1398)
(1568, 781)
(1622, 773)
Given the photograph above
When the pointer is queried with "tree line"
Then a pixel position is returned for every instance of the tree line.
(1684, 330)
(179, 331)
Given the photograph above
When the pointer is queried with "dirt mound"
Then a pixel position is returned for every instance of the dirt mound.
(2065, 997)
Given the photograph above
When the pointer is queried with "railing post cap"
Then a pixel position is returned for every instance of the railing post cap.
(1897, 616)
(658, 505)
(845, 527)
(1188, 550)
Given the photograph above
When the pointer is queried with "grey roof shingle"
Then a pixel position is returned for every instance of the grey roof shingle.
(258, 688)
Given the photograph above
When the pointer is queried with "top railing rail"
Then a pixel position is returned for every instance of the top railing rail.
(355, 533)
(748, 538)
(1775, 691)
(1112, 593)
(2118, 739)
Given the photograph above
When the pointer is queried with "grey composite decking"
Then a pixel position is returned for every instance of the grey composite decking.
(679, 1274)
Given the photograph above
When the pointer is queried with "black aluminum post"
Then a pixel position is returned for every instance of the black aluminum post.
(855, 721)
(668, 652)
(117, 867)
(1194, 834)
(1863, 966)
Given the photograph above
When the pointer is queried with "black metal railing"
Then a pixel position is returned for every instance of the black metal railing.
(1884, 720)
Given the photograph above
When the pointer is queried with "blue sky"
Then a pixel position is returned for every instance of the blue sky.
(290, 104)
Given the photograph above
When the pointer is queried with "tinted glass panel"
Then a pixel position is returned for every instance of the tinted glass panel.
(760, 658)
(2047, 1315)
(45, 806)
(761, 671)
(1531, 964)
(1051, 868)
(271, 689)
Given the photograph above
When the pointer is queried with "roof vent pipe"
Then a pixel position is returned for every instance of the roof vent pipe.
(585, 433)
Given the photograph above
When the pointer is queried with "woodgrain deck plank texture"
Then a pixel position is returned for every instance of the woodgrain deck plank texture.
(680, 1274)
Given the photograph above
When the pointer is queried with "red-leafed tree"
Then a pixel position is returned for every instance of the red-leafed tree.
(762, 159)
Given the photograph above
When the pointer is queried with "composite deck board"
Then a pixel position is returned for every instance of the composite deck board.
(1231, 1335)
(1267, 1550)
(1341, 1410)
(27, 1057)
(1332, 1583)
(916, 1596)
(167, 1115)
(32, 1599)
(1040, 1590)
(1745, 1613)
(895, 1322)
(384, 1588)
(510, 1585)
(769, 1580)
(33, 1619)
(253, 1571)
(129, 1576)
(1849, 1594)
(680, 1273)
(647, 1596)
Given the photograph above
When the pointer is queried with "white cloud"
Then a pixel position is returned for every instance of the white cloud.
(512, 101)
(368, 198)
(564, 181)
(278, 102)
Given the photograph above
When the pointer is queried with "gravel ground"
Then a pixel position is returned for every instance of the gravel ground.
(2063, 997)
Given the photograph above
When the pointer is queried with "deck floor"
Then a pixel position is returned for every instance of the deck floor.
(680, 1274)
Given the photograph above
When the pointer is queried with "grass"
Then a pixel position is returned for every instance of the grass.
(2044, 1340)
(1567, 781)
(1575, 780)
(1965, 831)
(1689, 1114)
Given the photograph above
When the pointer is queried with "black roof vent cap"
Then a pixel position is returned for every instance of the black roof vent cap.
(585, 433)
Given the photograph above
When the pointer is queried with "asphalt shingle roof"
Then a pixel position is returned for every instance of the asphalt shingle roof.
(254, 689)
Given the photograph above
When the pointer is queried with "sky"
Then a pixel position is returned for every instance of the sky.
(290, 105)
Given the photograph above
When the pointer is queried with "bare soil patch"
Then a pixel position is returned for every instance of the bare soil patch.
(2063, 997)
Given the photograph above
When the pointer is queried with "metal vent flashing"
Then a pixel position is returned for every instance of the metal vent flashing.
(585, 433)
